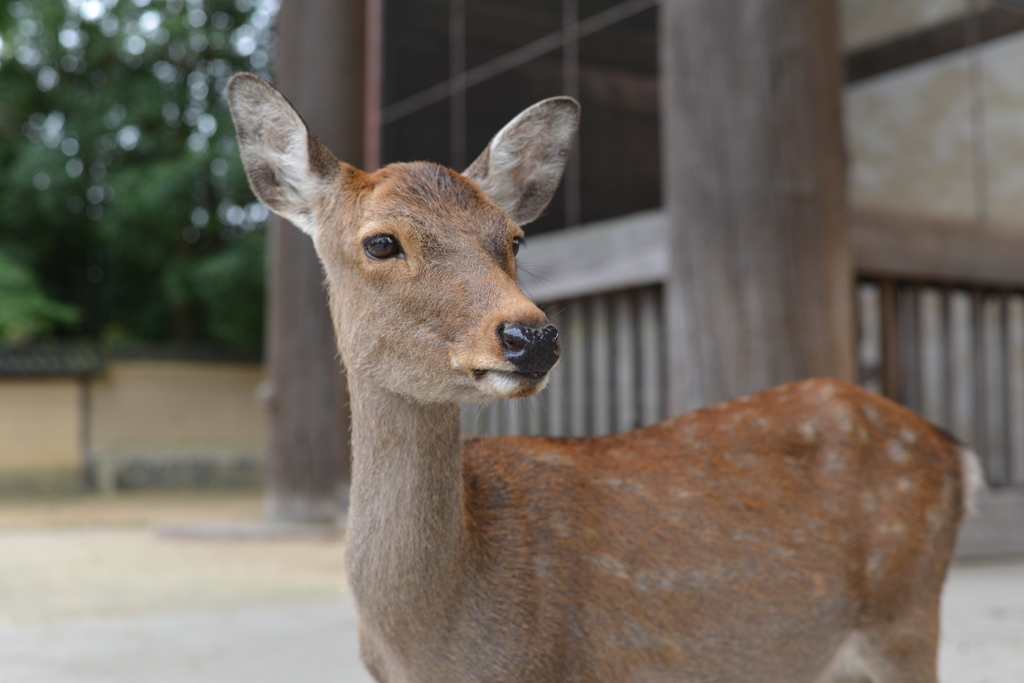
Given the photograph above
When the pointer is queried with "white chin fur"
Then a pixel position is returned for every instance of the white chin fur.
(506, 385)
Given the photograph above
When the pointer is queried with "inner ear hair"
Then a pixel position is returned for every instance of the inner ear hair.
(286, 164)
(522, 165)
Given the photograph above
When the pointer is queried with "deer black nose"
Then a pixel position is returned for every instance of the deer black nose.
(533, 351)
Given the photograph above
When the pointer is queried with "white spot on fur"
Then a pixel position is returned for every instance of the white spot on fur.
(621, 453)
(637, 489)
(908, 435)
(832, 506)
(611, 565)
(675, 517)
(743, 537)
(833, 460)
(556, 459)
(897, 453)
(635, 633)
(742, 459)
(894, 529)
(844, 420)
(560, 526)
(849, 663)
(903, 485)
(825, 390)
(808, 431)
(867, 502)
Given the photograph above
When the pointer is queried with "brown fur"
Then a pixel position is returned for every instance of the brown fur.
(741, 542)
(797, 535)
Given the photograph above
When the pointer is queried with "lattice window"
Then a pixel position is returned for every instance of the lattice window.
(455, 71)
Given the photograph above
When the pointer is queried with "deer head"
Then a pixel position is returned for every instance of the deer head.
(420, 259)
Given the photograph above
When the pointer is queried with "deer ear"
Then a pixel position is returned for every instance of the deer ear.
(523, 163)
(288, 167)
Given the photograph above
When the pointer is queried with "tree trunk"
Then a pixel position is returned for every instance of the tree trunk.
(761, 287)
(320, 70)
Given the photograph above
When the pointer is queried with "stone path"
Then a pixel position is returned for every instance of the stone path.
(107, 603)
(295, 642)
(983, 623)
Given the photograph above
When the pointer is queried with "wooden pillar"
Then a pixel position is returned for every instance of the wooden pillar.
(320, 70)
(761, 287)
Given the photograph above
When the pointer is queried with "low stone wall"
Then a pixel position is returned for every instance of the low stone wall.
(138, 423)
(113, 471)
(41, 425)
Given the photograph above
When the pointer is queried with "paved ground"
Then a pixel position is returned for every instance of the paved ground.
(983, 623)
(91, 593)
(96, 591)
(294, 642)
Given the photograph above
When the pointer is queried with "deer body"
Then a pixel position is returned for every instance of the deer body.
(797, 535)
(673, 552)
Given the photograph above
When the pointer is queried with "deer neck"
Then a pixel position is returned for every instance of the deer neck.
(405, 521)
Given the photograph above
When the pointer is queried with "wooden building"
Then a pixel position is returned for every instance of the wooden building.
(761, 191)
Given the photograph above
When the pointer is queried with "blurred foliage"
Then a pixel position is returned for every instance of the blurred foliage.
(26, 311)
(124, 211)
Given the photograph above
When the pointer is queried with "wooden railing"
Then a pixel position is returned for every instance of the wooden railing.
(941, 320)
(941, 311)
(601, 285)
(954, 354)
(611, 377)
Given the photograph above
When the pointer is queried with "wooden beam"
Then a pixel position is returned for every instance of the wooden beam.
(949, 36)
(320, 69)
(632, 251)
(760, 287)
(605, 256)
(923, 249)
(373, 93)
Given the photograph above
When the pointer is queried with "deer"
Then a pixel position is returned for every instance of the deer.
(798, 535)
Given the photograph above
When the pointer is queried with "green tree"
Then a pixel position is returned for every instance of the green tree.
(26, 311)
(124, 212)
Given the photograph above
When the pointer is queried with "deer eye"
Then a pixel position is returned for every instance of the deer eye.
(516, 243)
(382, 247)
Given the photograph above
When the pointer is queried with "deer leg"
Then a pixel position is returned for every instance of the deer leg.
(904, 651)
